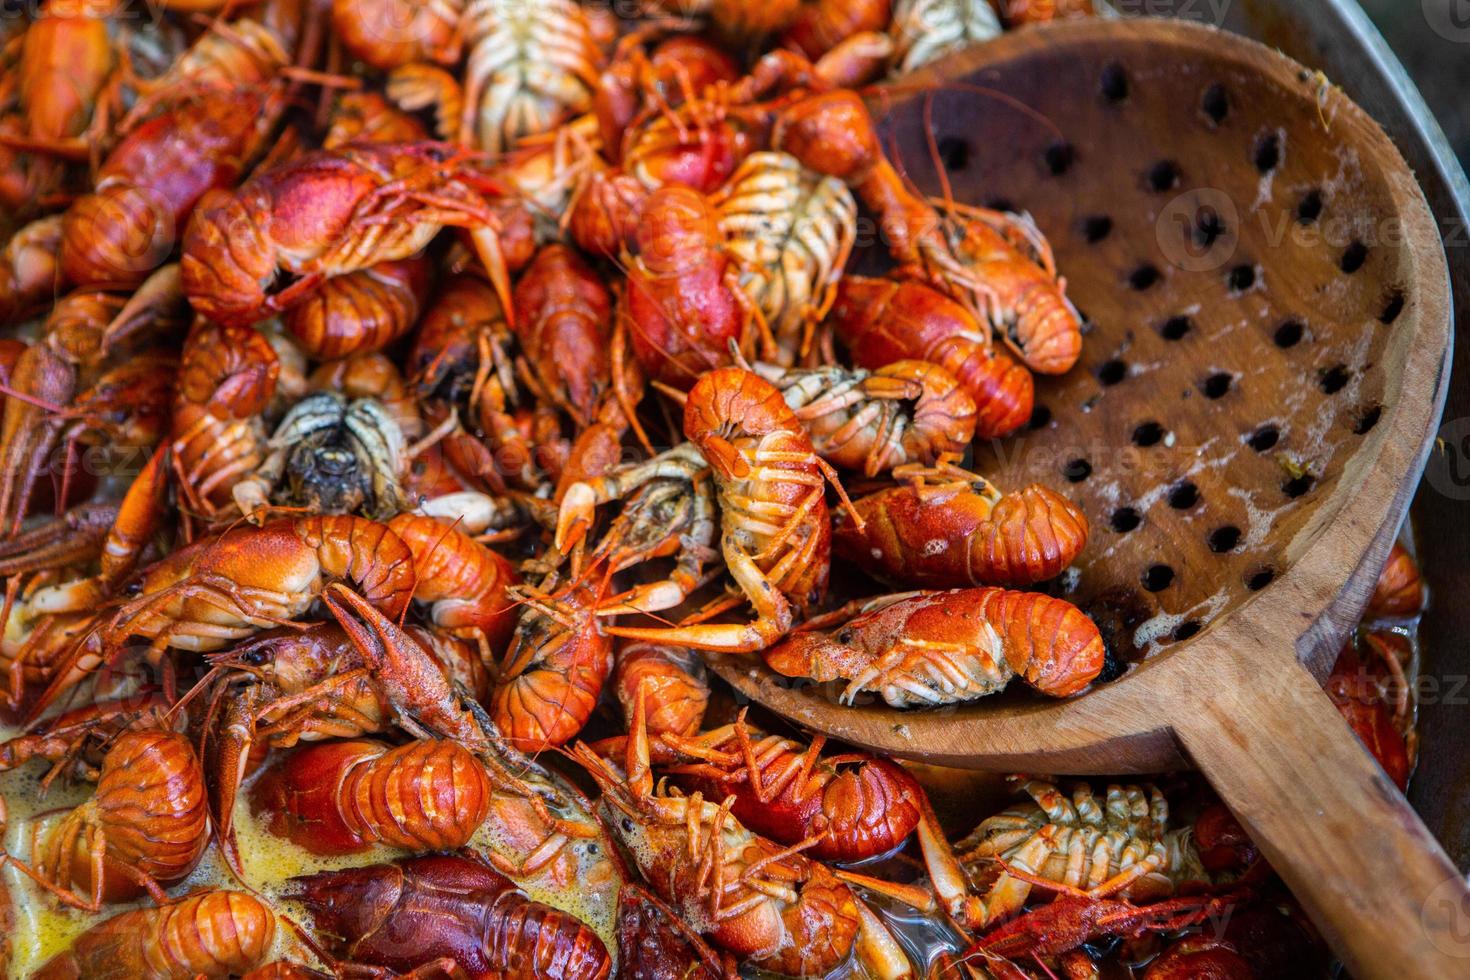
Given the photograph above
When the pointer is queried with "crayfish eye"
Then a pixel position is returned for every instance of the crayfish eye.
(133, 588)
(845, 637)
(627, 824)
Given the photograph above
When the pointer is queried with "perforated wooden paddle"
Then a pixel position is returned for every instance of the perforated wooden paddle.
(1266, 363)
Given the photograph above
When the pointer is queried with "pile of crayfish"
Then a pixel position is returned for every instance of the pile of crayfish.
(400, 402)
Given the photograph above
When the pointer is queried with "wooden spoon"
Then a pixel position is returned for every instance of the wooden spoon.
(1266, 368)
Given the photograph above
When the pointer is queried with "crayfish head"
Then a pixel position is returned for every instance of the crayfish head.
(654, 941)
(344, 457)
(324, 478)
(831, 133)
(350, 902)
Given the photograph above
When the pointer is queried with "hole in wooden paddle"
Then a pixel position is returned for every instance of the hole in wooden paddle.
(1260, 578)
(1223, 539)
(1059, 157)
(1113, 665)
(954, 152)
(1112, 372)
(1264, 439)
(1392, 309)
(1242, 277)
(1216, 103)
(1077, 470)
(1187, 630)
(1216, 385)
(1176, 327)
(1096, 227)
(1125, 519)
(1148, 434)
(1184, 495)
(1298, 485)
(1114, 82)
(1040, 417)
(1354, 257)
(1208, 227)
(1144, 277)
(1334, 379)
(1365, 419)
(1158, 578)
(1268, 153)
(1310, 207)
(1289, 334)
(1164, 176)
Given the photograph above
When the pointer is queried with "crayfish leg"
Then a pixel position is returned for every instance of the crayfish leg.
(774, 615)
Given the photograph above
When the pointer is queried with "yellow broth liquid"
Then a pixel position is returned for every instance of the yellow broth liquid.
(43, 927)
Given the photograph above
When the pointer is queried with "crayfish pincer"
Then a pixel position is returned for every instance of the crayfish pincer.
(538, 814)
(450, 911)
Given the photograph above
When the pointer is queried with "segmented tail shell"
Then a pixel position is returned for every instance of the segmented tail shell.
(151, 808)
(361, 312)
(674, 682)
(343, 797)
(214, 933)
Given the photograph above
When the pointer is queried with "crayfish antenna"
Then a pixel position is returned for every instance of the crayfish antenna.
(669, 391)
(50, 407)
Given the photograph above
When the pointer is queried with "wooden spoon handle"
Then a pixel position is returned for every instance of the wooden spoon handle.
(1333, 825)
